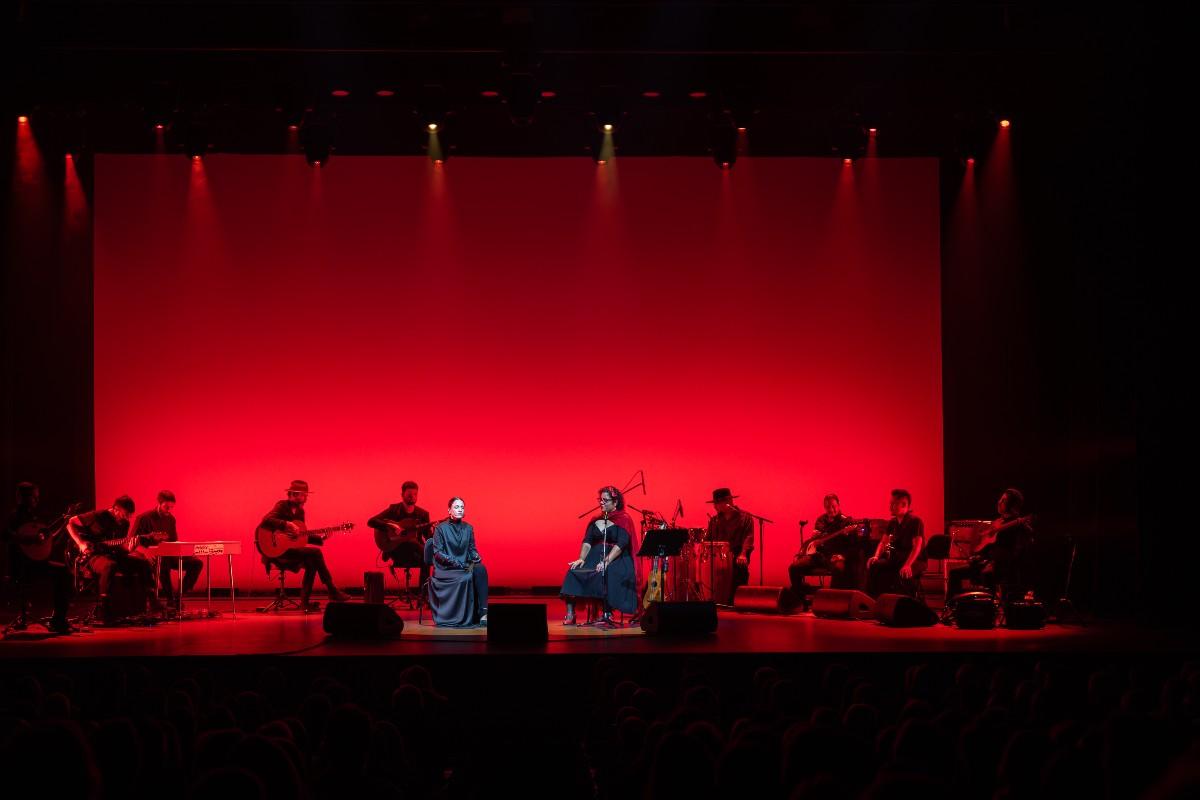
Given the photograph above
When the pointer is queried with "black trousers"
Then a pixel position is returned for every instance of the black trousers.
(28, 572)
(479, 578)
(106, 565)
(884, 578)
(310, 559)
(191, 573)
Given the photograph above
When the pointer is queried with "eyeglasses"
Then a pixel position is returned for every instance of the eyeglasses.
(605, 499)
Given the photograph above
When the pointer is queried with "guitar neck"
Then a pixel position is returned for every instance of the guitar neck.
(324, 531)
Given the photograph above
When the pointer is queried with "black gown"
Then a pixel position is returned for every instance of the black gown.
(617, 585)
(459, 585)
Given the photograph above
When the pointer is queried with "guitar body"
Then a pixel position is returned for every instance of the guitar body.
(654, 590)
(412, 533)
(276, 544)
(46, 543)
(987, 540)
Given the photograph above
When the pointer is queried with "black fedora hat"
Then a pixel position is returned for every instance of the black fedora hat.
(721, 496)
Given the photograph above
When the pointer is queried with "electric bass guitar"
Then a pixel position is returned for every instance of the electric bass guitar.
(276, 544)
(815, 544)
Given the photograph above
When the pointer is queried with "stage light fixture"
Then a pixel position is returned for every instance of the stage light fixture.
(23, 120)
(1004, 123)
(850, 138)
(195, 138)
(522, 98)
(723, 141)
(316, 137)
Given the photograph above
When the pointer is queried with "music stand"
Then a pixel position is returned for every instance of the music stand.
(663, 543)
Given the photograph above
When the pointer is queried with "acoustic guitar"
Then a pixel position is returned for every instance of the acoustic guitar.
(39, 542)
(407, 531)
(276, 544)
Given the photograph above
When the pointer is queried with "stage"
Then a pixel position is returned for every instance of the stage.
(295, 634)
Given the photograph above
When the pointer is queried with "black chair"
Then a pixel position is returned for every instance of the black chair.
(281, 602)
(424, 598)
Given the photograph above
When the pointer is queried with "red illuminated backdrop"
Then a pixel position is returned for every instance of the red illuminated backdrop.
(518, 332)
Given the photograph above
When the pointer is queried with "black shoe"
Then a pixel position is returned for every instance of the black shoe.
(310, 605)
(60, 626)
(339, 596)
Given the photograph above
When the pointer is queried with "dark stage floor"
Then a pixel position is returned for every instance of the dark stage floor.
(293, 633)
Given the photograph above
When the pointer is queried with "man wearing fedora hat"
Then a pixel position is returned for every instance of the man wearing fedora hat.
(310, 558)
(735, 526)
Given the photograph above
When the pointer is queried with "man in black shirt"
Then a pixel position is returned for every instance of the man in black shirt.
(403, 527)
(25, 527)
(840, 555)
(310, 558)
(158, 525)
(103, 537)
(898, 563)
(735, 526)
(1001, 565)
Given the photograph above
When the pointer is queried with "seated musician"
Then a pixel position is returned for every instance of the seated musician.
(896, 565)
(827, 550)
(25, 527)
(1000, 565)
(605, 568)
(103, 538)
(309, 557)
(458, 590)
(735, 526)
(405, 517)
(158, 525)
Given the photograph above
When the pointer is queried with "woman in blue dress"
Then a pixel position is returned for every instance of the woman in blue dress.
(605, 567)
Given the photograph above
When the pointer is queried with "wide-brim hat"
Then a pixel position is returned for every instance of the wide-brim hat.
(721, 495)
(299, 486)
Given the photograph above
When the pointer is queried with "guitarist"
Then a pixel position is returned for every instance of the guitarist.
(24, 569)
(838, 554)
(310, 558)
(158, 525)
(102, 536)
(897, 563)
(405, 516)
(998, 560)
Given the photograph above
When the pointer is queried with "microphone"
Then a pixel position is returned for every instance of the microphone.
(679, 507)
(643, 481)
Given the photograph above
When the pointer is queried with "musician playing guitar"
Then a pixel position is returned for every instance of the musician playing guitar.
(401, 530)
(898, 563)
(27, 539)
(832, 547)
(158, 525)
(288, 515)
(103, 538)
(998, 560)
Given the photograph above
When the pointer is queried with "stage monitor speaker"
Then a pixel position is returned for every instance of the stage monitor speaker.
(680, 619)
(842, 604)
(1024, 616)
(359, 621)
(902, 611)
(764, 599)
(517, 623)
(372, 587)
(974, 611)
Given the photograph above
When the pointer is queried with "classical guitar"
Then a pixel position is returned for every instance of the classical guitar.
(983, 548)
(405, 531)
(39, 542)
(275, 544)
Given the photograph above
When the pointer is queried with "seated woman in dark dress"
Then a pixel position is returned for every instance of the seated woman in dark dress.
(605, 568)
(458, 590)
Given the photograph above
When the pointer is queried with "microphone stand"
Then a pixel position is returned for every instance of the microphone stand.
(761, 522)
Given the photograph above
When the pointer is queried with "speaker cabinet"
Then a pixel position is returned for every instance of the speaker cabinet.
(902, 611)
(680, 619)
(764, 599)
(843, 604)
(359, 621)
(517, 623)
